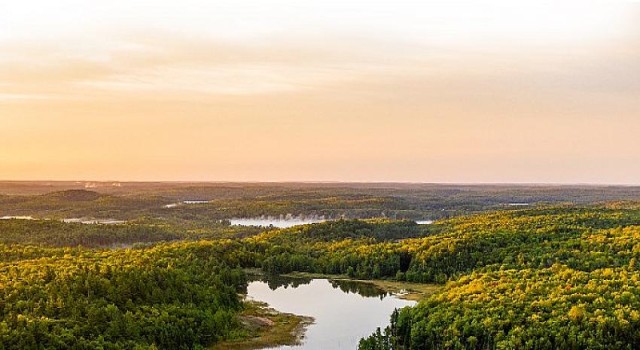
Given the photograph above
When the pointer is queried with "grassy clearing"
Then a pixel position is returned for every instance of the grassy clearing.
(265, 327)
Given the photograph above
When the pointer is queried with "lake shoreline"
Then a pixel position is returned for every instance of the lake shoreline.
(266, 327)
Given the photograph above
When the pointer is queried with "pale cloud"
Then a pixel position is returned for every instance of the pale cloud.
(149, 64)
(94, 51)
(320, 92)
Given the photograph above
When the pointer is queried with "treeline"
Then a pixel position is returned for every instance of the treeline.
(363, 249)
(447, 249)
(54, 233)
(80, 203)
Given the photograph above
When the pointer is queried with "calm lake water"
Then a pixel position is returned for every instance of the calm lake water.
(344, 311)
(94, 221)
(275, 221)
(424, 222)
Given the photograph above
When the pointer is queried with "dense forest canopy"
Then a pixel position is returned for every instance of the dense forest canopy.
(541, 277)
(166, 297)
(562, 278)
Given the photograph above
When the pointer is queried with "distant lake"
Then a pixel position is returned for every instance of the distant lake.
(290, 221)
(187, 202)
(424, 222)
(17, 218)
(94, 221)
(344, 311)
(281, 222)
(71, 220)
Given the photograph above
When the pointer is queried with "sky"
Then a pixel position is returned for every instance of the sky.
(294, 90)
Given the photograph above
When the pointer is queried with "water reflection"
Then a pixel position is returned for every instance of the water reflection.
(276, 281)
(364, 289)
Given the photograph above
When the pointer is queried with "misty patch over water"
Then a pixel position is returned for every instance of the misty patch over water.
(424, 222)
(186, 202)
(17, 217)
(286, 221)
(282, 221)
(94, 221)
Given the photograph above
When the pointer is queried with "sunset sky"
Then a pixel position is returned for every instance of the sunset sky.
(292, 90)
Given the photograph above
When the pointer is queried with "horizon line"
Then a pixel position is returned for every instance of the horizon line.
(586, 184)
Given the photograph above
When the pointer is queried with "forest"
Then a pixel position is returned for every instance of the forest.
(137, 200)
(549, 276)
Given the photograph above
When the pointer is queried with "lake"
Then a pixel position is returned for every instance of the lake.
(289, 221)
(344, 311)
(424, 222)
(280, 222)
(94, 221)
(17, 218)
